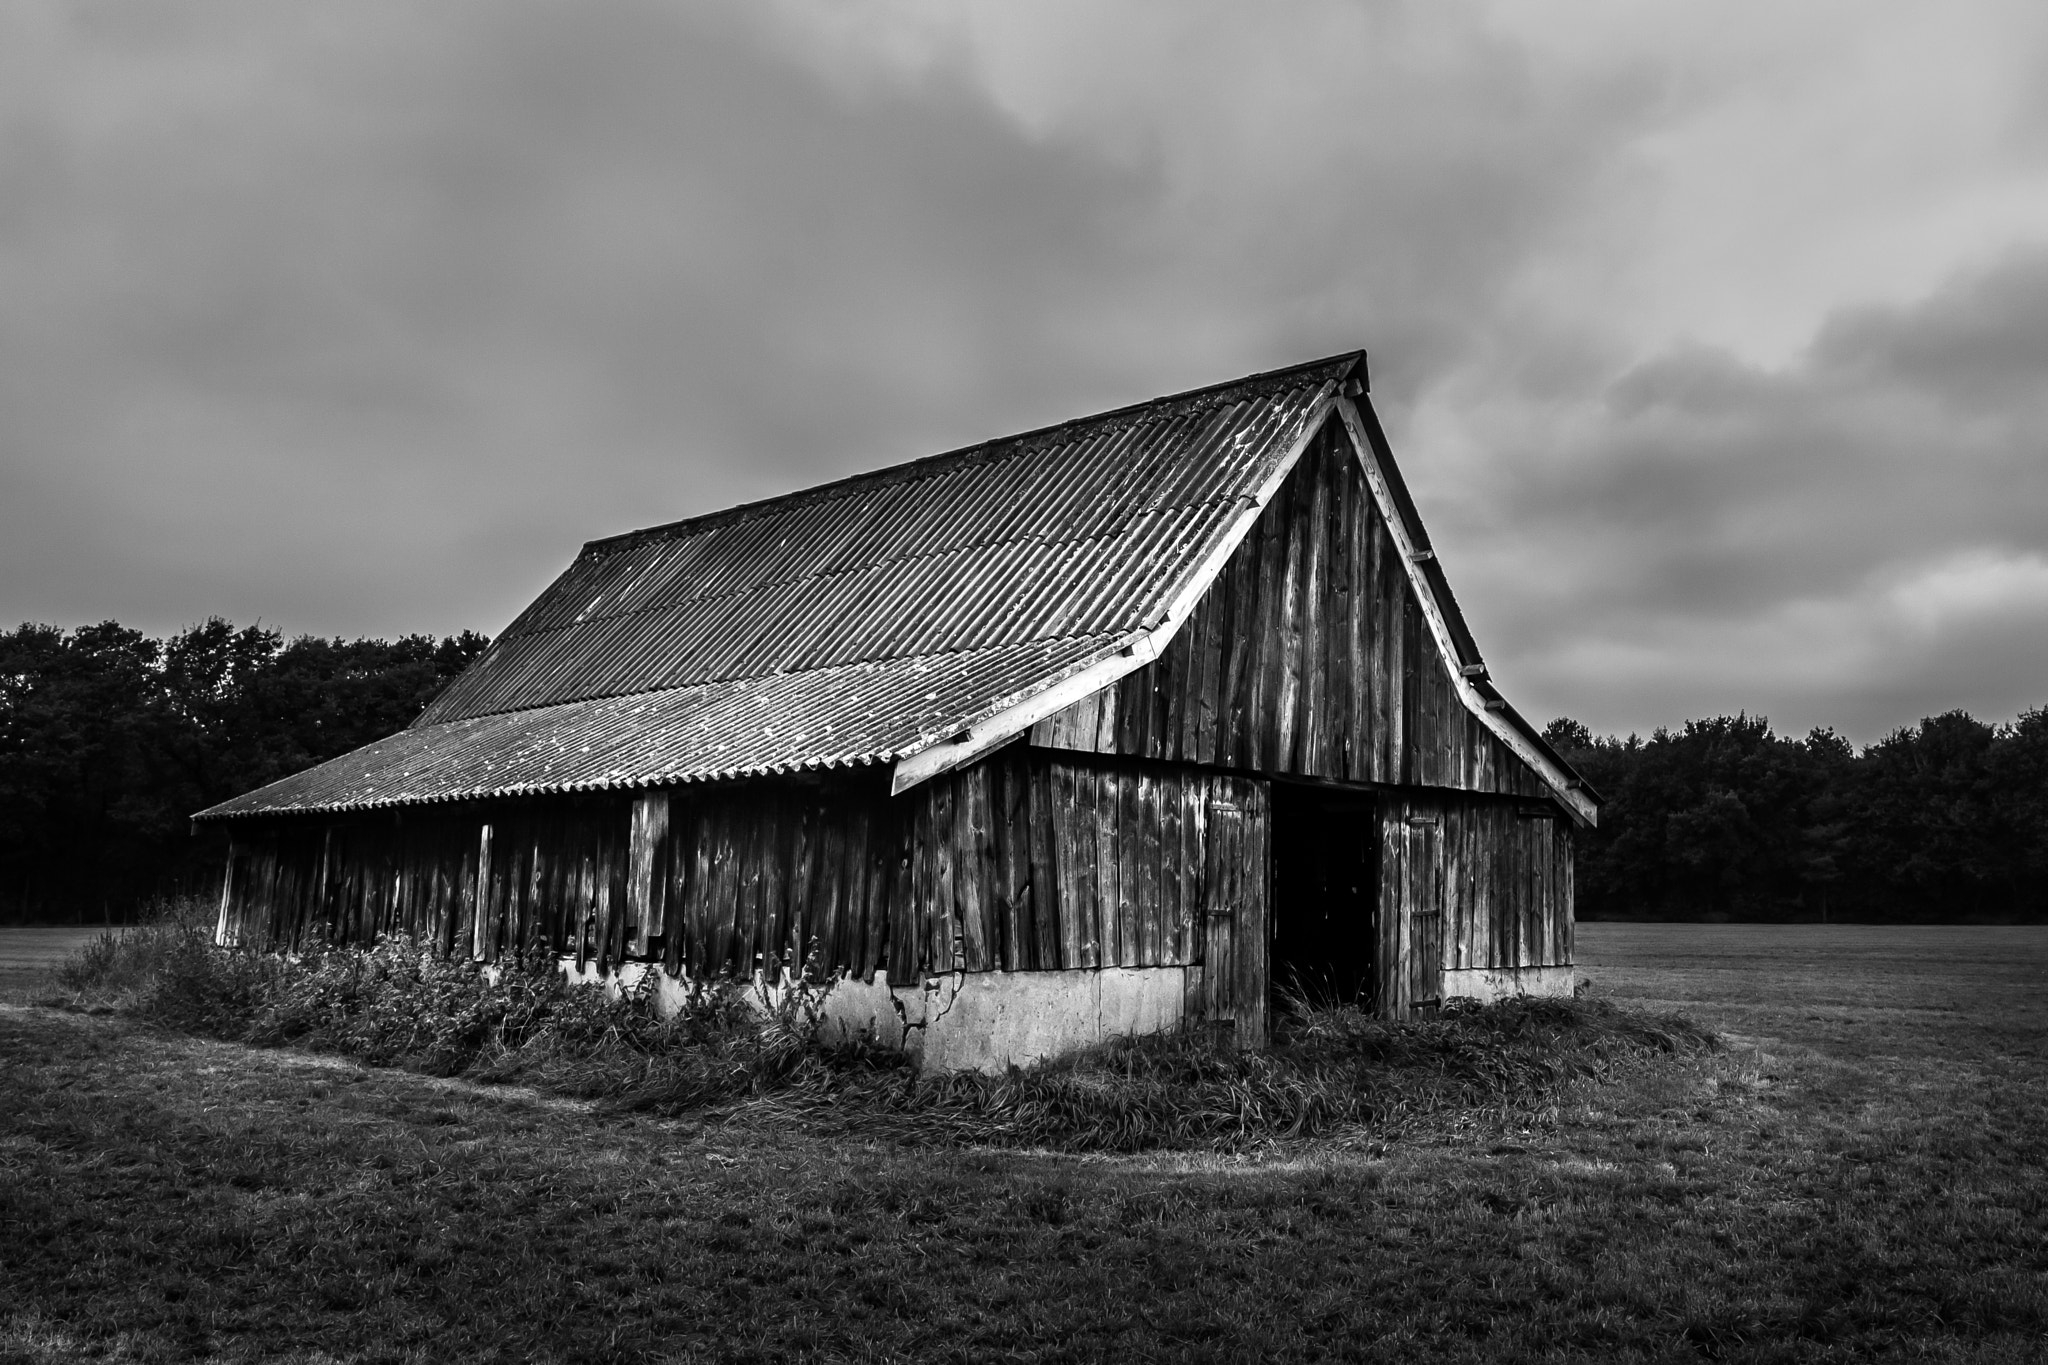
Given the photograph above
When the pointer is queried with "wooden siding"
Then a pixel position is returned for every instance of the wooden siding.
(1026, 862)
(1469, 883)
(1309, 656)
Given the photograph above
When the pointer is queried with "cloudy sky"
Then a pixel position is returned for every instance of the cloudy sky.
(1713, 338)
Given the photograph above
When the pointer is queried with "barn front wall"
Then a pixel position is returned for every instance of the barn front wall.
(1025, 864)
(1036, 901)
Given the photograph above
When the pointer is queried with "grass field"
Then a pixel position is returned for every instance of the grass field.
(1859, 1175)
(28, 954)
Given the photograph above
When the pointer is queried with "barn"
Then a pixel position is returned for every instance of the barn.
(1133, 722)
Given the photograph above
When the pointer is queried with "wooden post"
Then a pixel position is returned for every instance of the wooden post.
(227, 895)
(646, 886)
(484, 908)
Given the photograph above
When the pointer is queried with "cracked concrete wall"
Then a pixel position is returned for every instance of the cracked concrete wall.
(1488, 984)
(986, 1021)
(983, 1021)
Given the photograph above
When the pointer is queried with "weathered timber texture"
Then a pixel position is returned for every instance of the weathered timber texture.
(1028, 861)
(1468, 882)
(1309, 656)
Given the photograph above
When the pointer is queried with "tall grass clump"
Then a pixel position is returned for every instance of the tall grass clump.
(399, 1003)
(166, 967)
(1330, 1071)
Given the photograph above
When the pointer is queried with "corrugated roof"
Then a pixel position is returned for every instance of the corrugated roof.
(857, 622)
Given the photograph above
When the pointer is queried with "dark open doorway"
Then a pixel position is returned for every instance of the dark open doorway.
(1325, 889)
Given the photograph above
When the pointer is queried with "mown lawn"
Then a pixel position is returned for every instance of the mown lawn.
(1859, 1175)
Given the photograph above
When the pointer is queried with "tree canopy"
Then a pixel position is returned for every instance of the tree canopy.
(111, 739)
(1944, 820)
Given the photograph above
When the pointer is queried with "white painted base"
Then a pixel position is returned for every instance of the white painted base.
(961, 1021)
(1488, 984)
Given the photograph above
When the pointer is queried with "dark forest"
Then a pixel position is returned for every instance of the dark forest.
(1943, 821)
(111, 739)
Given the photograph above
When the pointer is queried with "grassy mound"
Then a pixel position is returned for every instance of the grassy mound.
(1330, 1072)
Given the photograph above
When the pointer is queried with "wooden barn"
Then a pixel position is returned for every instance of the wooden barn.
(1132, 722)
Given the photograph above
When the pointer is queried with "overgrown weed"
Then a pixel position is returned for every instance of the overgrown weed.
(1331, 1072)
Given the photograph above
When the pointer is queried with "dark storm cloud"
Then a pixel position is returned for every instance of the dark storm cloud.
(1822, 542)
(394, 307)
(361, 318)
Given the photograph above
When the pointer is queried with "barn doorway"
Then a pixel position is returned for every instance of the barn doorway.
(1325, 890)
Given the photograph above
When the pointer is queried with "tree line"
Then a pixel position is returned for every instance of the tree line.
(1944, 821)
(110, 739)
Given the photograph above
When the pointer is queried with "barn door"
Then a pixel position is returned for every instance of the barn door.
(1426, 912)
(1235, 938)
(1411, 920)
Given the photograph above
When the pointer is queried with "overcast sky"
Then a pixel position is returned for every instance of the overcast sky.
(1712, 338)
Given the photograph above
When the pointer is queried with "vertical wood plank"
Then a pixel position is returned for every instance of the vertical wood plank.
(1567, 875)
(1074, 830)
(938, 852)
(779, 838)
(644, 889)
(1225, 863)
(722, 859)
(1106, 787)
(1239, 643)
(1194, 840)
(1041, 820)
(905, 936)
(750, 908)
(813, 913)
(1198, 718)
(1254, 924)
(615, 845)
(1287, 624)
(489, 899)
(1131, 904)
(974, 887)
(532, 924)
(1009, 794)
(678, 868)
(1169, 923)
(1106, 716)
(1425, 911)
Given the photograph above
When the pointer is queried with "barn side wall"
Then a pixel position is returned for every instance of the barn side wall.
(1309, 656)
(1027, 862)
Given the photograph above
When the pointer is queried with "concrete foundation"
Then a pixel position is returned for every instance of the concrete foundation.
(986, 1021)
(980, 1021)
(1488, 984)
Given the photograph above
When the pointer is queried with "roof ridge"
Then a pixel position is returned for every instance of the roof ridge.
(998, 447)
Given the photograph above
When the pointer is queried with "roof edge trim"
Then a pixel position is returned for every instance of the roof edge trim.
(1448, 627)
